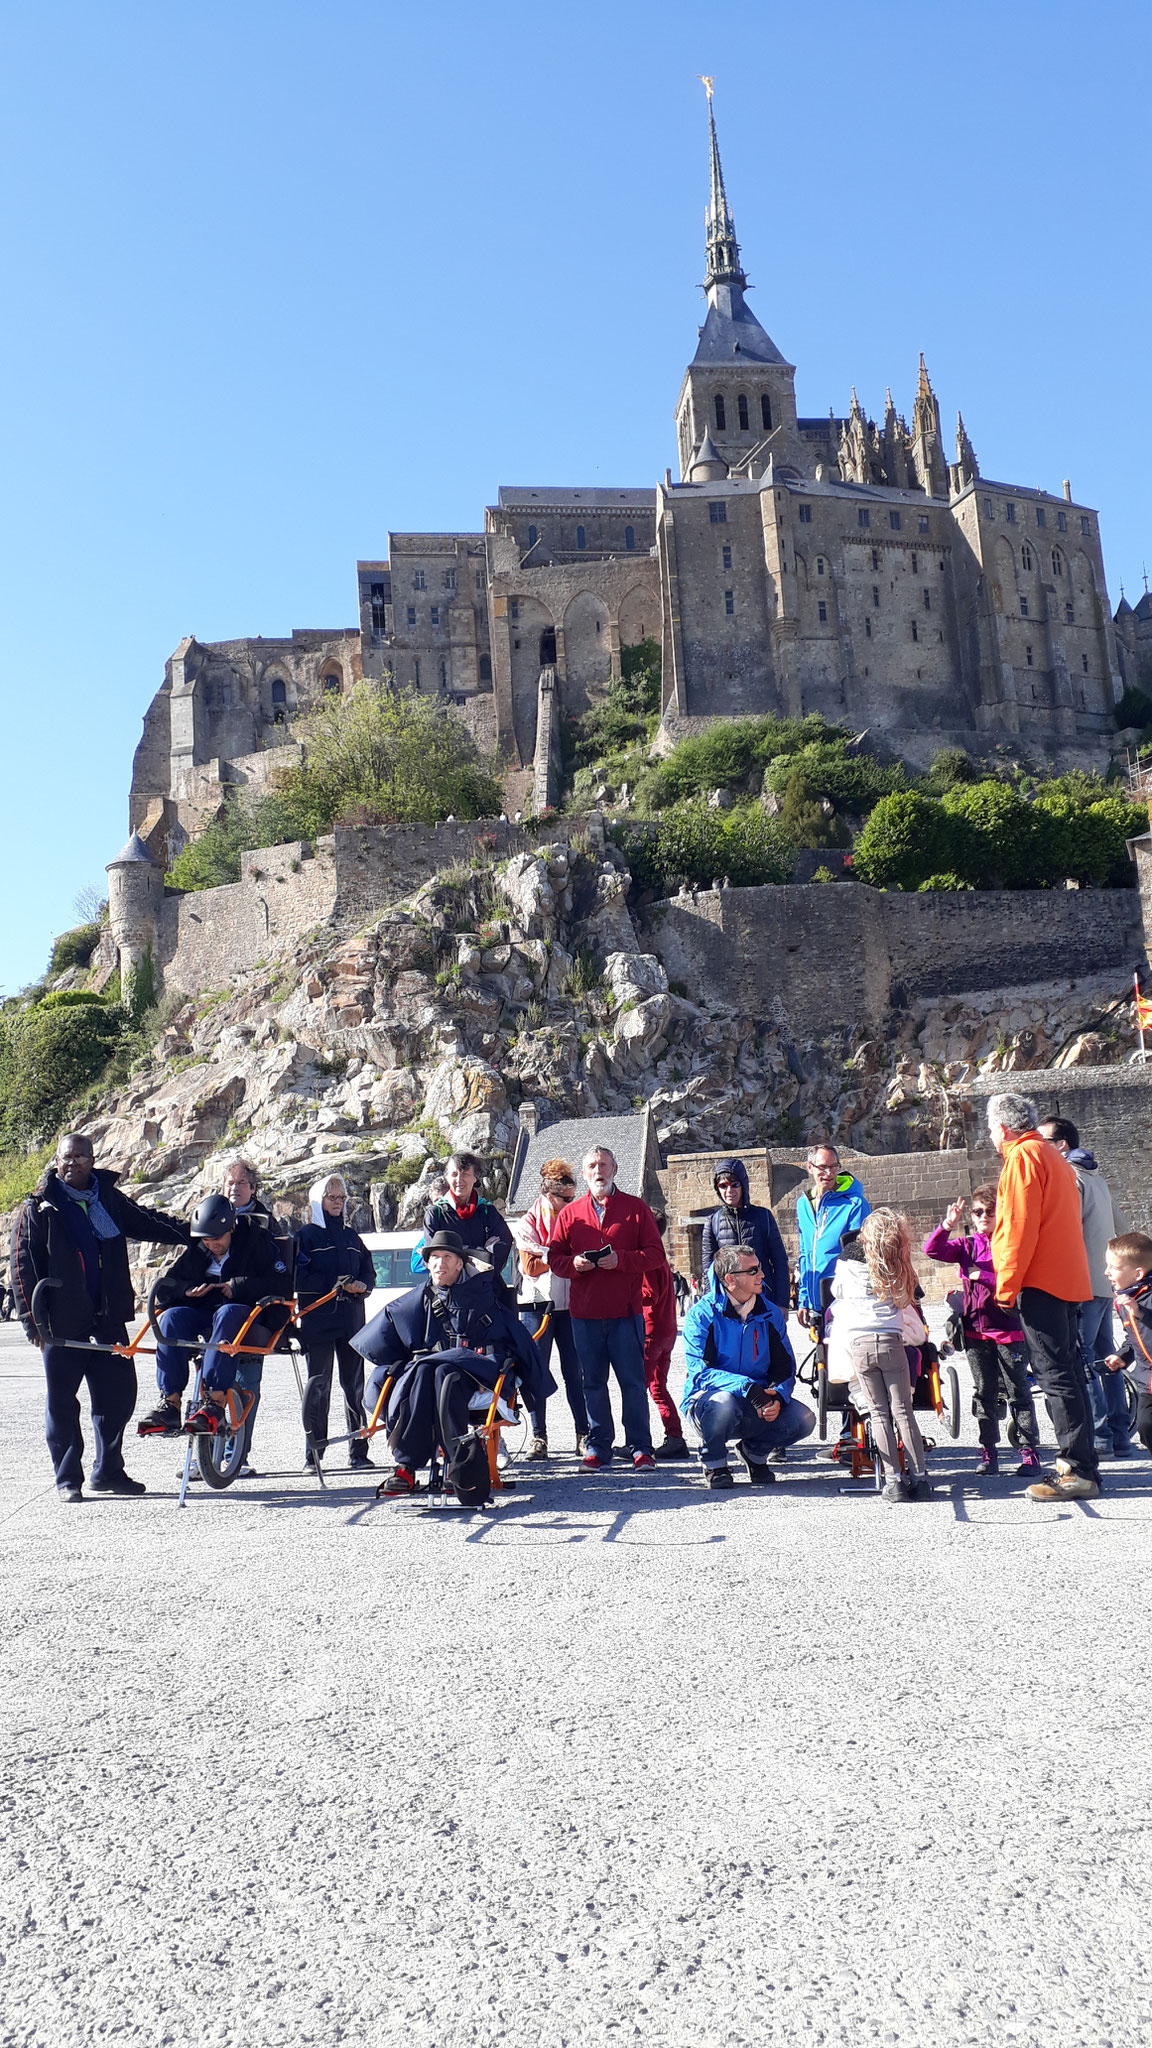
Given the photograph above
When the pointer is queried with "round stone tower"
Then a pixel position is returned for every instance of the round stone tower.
(135, 892)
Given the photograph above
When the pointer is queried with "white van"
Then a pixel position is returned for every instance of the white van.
(392, 1259)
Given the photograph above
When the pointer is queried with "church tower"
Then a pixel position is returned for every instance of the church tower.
(738, 389)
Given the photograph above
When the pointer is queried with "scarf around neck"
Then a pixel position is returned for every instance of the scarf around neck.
(94, 1210)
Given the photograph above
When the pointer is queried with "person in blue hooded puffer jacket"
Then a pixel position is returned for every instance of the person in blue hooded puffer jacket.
(741, 1221)
(833, 1204)
(740, 1371)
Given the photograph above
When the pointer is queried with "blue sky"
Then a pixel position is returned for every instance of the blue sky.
(281, 277)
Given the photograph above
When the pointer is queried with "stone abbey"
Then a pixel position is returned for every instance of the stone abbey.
(830, 564)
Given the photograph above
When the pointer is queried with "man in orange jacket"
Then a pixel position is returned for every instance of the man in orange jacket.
(1042, 1268)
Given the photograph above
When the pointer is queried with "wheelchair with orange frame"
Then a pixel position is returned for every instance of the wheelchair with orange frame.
(498, 1408)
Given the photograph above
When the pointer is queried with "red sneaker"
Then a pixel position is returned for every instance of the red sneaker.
(401, 1481)
(206, 1420)
(591, 1462)
(643, 1461)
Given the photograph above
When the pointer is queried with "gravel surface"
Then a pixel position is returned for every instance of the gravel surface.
(619, 1760)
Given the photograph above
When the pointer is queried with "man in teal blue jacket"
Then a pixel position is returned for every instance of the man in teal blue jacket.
(740, 1371)
(833, 1204)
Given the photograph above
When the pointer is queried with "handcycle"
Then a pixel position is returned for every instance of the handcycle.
(219, 1456)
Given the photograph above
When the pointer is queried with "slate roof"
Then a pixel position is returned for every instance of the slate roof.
(731, 331)
(135, 852)
(571, 1138)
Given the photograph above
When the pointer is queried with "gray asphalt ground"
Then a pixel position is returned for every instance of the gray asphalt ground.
(617, 1761)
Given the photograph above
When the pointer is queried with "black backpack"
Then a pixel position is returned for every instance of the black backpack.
(467, 1471)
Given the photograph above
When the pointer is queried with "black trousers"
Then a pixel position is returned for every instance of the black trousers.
(992, 1365)
(1143, 1407)
(318, 1394)
(1052, 1328)
(429, 1404)
(112, 1392)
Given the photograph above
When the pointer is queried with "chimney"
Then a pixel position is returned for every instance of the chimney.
(1067, 491)
(529, 1118)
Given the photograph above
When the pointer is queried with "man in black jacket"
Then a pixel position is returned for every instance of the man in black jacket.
(440, 1343)
(740, 1221)
(241, 1185)
(74, 1232)
(230, 1265)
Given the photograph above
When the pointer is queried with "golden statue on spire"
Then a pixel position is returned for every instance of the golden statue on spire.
(707, 83)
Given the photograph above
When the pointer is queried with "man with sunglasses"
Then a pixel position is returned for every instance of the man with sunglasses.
(739, 1220)
(832, 1204)
(740, 1372)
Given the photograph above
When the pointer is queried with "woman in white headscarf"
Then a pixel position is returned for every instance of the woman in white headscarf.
(328, 1250)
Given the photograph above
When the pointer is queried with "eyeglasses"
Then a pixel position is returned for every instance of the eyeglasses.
(822, 1170)
(746, 1272)
(981, 1212)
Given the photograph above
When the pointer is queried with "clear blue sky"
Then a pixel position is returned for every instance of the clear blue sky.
(282, 276)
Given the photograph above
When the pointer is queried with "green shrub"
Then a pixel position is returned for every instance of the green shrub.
(68, 999)
(951, 767)
(49, 1053)
(21, 1174)
(74, 948)
(624, 719)
(1006, 844)
(907, 837)
(1088, 842)
(694, 844)
(944, 882)
(803, 819)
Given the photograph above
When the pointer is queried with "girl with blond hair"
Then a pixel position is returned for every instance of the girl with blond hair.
(874, 1319)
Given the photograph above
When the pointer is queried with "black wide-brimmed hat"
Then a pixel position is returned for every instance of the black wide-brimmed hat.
(443, 1241)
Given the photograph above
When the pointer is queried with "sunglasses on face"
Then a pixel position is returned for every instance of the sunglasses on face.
(746, 1272)
(981, 1212)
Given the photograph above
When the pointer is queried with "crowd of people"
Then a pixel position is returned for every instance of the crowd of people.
(1047, 1263)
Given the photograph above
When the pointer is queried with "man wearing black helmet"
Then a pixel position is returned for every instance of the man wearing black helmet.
(230, 1265)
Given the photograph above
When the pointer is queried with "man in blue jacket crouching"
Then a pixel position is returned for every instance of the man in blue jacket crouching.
(740, 1372)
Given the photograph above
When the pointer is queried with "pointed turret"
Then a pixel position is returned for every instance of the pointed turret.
(966, 463)
(708, 465)
(930, 468)
(723, 260)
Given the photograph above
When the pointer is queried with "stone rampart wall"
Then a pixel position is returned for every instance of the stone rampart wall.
(815, 956)
(204, 938)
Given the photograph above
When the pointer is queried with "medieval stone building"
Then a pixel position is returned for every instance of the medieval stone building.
(830, 564)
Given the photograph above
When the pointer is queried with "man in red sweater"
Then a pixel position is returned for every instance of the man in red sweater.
(604, 1244)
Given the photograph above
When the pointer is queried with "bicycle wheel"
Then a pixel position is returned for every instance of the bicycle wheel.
(220, 1457)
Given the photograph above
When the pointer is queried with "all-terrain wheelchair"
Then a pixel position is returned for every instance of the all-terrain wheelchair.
(492, 1410)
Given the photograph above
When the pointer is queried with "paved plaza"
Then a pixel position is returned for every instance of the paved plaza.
(617, 1761)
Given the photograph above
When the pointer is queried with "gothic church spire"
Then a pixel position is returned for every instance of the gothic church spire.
(723, 258)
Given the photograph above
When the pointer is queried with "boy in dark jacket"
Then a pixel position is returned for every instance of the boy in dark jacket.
(1129, 1263)
(328, 1250)
(740, 1221)
(75, 1231)
(439, 1344)
(230, 1265)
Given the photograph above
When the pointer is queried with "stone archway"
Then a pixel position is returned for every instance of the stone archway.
(587, 651)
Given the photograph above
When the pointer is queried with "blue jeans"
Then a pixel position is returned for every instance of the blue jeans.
(616, 1341)
(220, 1326)
(560, 1330)
(724, 1418)
(1106, 1390)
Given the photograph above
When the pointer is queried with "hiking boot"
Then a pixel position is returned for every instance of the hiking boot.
(896, 1492)
(538, 1451)
(399, 1482)
(643, 1461)
(672, 1447)
(206, 1419)
(119, 1484)
(162, 1420)
(989, 1461)
(760, 1475)
(720, 1478)
(1029, 1466)
(1067, 1485)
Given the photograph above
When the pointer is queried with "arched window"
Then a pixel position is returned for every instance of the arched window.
(819, 565)
(279, 690)
(1025, 556)
(629, 538)
(485, 668)
(581, 537)
(719, 412)
(1057, 562)
(742, 411)
(533, 536)
(331, 681)
(766, 412)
